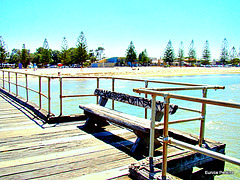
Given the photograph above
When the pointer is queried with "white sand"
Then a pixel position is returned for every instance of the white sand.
(131, 72)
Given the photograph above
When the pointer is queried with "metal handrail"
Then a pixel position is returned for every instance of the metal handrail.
(40, 94)
(166, 122)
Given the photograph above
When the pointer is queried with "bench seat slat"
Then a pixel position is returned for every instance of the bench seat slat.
(146, 122)
(118, 117)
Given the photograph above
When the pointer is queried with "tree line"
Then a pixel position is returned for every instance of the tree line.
(80, 54)
(226, 56)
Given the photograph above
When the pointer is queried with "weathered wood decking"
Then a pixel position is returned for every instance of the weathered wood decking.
(31, 149)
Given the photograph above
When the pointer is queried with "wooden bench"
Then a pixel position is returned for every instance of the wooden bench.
(99, 116)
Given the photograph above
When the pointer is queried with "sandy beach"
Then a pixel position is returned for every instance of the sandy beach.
(131, 72)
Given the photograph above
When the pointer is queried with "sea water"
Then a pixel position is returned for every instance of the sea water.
(222, 123)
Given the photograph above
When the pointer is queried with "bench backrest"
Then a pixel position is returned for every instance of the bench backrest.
(133, 100)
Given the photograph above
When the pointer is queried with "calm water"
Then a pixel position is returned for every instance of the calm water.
(222, 124)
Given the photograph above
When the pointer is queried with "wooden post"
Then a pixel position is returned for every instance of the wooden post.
(202, 126)
(165, 136)
(113, 87)
(152, 135)
(39, 92)
(61, 103)
(26, 83)
(146, 86)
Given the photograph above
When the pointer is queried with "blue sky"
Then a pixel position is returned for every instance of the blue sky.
(150, 24)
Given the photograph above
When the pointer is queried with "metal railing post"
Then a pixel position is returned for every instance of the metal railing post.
(203, 114)
(146, 86)
(113, 88)
(40, 92)
(16, 75)
(3, 80)
(61, 103)
(165, 136)
(9, 84)
(26, 83)
(49, 95)
(152, 135)
(97, 87)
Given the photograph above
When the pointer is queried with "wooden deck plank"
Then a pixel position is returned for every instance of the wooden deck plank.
(31, 149)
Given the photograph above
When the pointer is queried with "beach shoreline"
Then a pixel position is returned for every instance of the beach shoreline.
(131, 72)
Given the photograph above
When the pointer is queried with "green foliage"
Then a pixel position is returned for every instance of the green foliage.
(206, 55)
(81, 54)
(24, 56)
(224, 56)
(143, 58)
(131, 54)
(56, 56)
(192, 53)
(64, 55)
(45, 57)
(180, 53)
(15, 56)
(169, 53)
(3, 51)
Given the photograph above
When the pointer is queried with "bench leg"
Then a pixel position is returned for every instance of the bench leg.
(141, 145)
(94, 122)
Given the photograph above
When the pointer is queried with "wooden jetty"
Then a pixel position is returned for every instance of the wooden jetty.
(30, 148)
(103, 143)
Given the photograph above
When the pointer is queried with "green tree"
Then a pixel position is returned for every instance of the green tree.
(192, 56)
(38, 56)
(46, 53)
(180, 53)
(56, 56)
(15, 56)
(206, 55)
(24, 56)
(131, 54)
(64, 55)
(224, 56)
(143, 58)
(234, 56)
(81, 51)
(169, 53)
(3, 50)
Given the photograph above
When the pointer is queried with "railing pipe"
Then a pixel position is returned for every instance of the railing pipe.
(97, 87)
(61, 101)
(206, 152)
(146, 86)
(180, 121)
(49, 95)
(9, 84)
(190, 98)
(26, 86)
(3, 80)
(186, 88)
(152, 134)
(16, 76)
(202, 125)
(113, 88)
(40, 92)
(165, 136)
